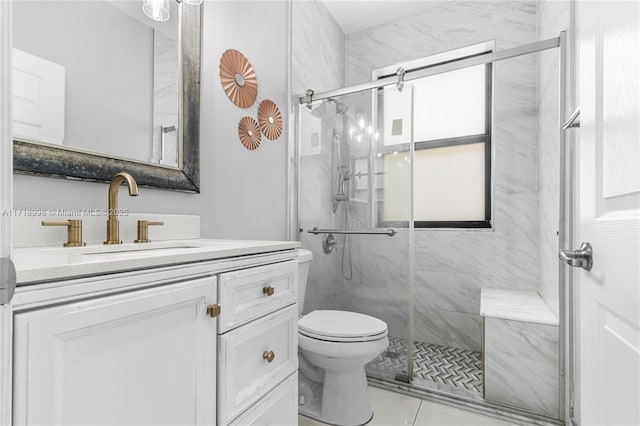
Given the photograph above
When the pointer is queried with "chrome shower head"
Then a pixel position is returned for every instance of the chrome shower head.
(341, 108)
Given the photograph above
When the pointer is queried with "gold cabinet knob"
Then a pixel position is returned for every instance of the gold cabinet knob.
(269, 356)
(74, 231)
(213, 310)
(269, 290)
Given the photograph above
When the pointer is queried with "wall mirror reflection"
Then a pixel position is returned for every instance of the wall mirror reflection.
(99, 86)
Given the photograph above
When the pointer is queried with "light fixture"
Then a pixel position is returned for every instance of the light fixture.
(158, 10)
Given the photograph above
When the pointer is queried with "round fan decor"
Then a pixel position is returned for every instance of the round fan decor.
(270, 119)
(249, 133)
(238, 78)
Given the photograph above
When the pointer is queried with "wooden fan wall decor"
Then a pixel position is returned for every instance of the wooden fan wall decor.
(238, 78)
(270, 119)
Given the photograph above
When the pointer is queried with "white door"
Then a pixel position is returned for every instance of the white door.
(145, 357)
(6, 182)
(38, 98)
(608, 306)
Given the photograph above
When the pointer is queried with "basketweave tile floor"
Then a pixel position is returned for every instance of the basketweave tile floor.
(395, 409)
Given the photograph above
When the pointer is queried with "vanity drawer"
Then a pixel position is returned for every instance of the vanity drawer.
(278, 408)
(244, 371)
(251, 293)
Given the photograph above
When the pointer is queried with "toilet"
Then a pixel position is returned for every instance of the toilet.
(333, 348)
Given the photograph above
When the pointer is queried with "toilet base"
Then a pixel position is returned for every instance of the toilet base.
(342, 399)
(313, 417)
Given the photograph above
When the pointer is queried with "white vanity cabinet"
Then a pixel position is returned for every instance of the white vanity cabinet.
(212, 341)
(139, 357)
(258, 346)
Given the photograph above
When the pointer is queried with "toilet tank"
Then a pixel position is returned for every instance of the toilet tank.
(304, 260)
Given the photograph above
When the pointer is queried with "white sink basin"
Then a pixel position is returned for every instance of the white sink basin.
(150, 250)
(136, 253)
(164, 248)
(146, 250)
(48, 263)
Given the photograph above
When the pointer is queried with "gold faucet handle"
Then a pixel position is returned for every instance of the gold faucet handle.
(143, 230)
(74, 231)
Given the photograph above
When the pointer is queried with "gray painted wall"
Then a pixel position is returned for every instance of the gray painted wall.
(243, 193)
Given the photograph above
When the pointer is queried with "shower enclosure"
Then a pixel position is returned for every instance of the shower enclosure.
(363, 267)
(426, 182)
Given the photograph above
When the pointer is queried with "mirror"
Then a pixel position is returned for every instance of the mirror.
(114, 91)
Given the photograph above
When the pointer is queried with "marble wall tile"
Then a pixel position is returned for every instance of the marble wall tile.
(447, 328)
(324, 287)
(317, 48)
(521, 365)
(446, 25)
(379, 285)
(451, 275)
(452, 266)
(318, 64)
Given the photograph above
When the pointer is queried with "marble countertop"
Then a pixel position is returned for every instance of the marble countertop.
(516, 305)
(54, 263)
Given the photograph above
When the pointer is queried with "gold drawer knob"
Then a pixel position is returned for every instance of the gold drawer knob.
(213, 310)
(269, 356)
(269, 290)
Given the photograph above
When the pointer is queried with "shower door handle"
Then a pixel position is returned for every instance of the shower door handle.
(581, 258)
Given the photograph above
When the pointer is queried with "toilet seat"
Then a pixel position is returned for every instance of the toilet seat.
(341, 326)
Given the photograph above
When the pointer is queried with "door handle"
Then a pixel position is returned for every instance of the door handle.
(581, 258)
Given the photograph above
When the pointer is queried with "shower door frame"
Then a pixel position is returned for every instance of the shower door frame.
(565, 216)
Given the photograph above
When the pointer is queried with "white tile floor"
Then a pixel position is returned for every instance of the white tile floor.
(395, 409)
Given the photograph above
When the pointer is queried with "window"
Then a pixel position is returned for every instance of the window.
(447, 117)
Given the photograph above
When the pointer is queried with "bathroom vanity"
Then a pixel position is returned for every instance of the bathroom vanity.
(176, 332)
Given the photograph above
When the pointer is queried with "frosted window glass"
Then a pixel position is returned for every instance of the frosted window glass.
(450, 105)
(396, 195)
(449, 184)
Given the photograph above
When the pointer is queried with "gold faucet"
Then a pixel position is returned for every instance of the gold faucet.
(113, 226)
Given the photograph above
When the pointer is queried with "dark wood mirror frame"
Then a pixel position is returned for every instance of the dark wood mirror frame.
(47, 160)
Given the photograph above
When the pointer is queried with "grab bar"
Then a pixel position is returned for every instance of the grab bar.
(389, 231)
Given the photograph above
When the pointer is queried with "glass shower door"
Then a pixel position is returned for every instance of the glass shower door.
(354, 218)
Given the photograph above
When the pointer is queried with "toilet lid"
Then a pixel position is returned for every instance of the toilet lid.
(341, 326)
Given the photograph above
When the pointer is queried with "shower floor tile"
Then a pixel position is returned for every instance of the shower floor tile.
(438, 367)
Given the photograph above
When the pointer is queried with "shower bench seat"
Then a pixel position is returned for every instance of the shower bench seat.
(520, 350)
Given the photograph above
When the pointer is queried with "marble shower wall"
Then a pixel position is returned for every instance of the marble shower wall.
(521, 365)
(452, 266)
(553, 17)
(318, 64)
(317, 49)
